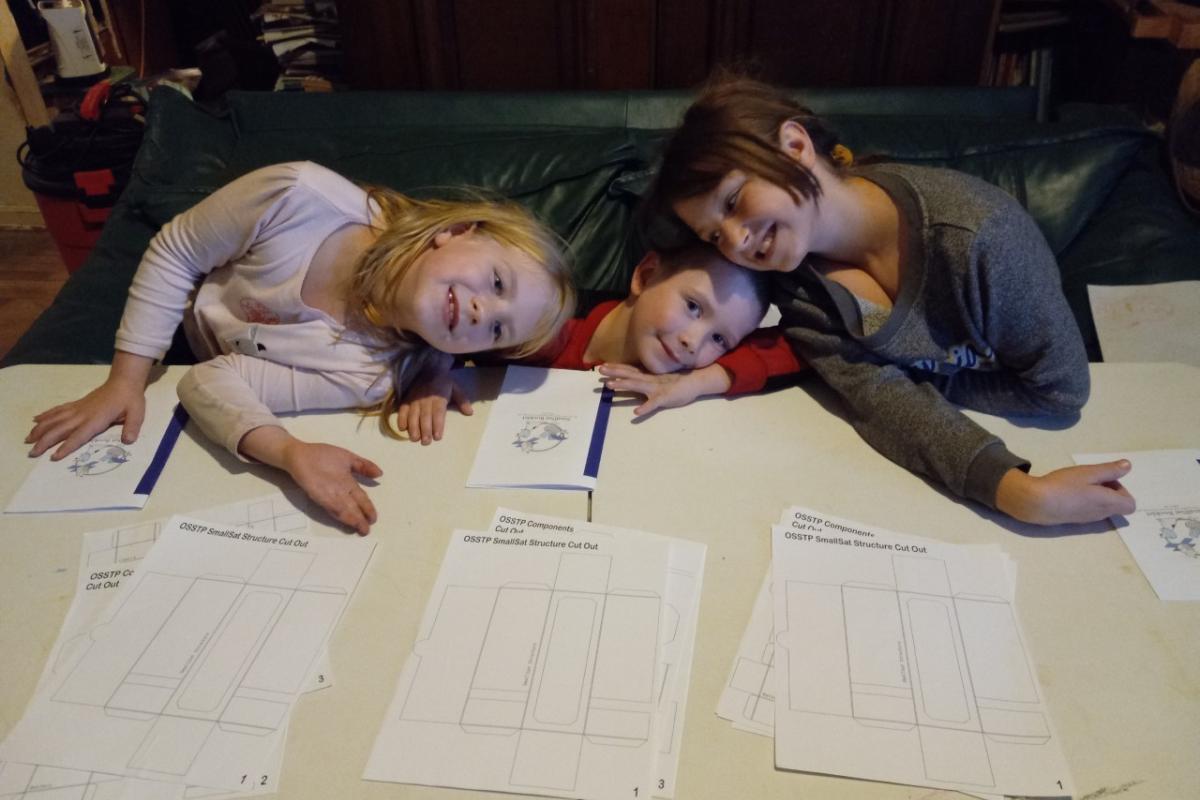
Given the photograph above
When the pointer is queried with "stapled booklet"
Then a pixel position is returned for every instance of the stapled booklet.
(545, 431)
(106, 473)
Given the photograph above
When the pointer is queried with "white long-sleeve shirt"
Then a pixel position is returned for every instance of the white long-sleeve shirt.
(249, 246)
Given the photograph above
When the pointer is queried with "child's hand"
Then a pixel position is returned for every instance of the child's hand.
(327, 473)
(1083, 493)
(672, 390)
(422, 414)
(75, 423)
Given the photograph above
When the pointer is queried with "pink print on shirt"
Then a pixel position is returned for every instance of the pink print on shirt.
(254, 311)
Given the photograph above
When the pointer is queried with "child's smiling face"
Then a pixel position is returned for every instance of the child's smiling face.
(756, 222)
(468, 293)
(752, 222)
(688, 317)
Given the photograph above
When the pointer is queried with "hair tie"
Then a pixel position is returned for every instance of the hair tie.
(841, 156)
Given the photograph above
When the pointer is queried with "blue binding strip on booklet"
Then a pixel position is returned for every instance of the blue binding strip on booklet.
(179, 418)
(592, 467)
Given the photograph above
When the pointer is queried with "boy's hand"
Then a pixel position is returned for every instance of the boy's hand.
(422, 413)
(1084, 493)
(672, 390)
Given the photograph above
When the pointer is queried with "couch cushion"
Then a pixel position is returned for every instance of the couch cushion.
(258, 112)
(262, 111)
(1141, 235)
(185, 144)
(561, 174)
(1060, 172)
(660, 110)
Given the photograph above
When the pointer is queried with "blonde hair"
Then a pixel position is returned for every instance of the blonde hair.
(407, 227)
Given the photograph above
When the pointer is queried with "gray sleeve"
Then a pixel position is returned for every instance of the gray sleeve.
(1023, 314)
(908, 422)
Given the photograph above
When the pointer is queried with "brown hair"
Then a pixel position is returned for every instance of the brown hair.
(407, 227)
(734, 124)
(697, 255)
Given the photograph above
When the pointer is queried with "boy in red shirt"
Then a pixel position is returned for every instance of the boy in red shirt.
(686, 330)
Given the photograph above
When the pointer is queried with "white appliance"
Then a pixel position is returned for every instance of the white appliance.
(71, 39)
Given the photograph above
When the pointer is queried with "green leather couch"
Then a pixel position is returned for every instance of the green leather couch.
(1093, 179)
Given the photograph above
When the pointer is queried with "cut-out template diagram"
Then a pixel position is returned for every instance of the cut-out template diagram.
(677, 634)
(194, 667)
(275, 514)
(748, 699)
(665, 707)
(545, 683)
(939, 676)
(36, 782)
(753, 679)
(676, 638)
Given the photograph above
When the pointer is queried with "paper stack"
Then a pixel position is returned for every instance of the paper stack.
(184, 652)
(876, 655)
(553, 659)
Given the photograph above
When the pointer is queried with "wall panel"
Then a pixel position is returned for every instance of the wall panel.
(661, 44)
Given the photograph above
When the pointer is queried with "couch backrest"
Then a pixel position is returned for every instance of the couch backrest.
(258, 111)
(581, 161)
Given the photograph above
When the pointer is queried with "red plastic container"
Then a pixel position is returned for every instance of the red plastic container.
(75, 221)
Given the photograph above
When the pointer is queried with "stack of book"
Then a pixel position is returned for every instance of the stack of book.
(1027, 34)
(306, 39)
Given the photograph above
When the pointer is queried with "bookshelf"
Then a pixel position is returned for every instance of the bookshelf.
(1027, 42)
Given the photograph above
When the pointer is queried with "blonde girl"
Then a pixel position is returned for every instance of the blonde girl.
(301, 290)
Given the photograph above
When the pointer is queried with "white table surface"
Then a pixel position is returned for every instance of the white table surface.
(1120, 669)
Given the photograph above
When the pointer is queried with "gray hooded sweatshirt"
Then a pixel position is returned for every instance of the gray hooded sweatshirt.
(979, 321)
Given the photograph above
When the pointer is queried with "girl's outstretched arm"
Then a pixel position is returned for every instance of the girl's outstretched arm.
(325, 472)
(232, 399)
(121, 398)
(215, 231)
(1084, 493)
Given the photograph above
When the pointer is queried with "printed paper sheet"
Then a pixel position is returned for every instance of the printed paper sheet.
(192, 671)
(748, 699)
(534, 670)
(1151, 322)
(1163, 535)
(105, 558)
(902, 660)
(681, 613)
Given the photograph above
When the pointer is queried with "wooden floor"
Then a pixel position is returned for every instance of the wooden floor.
(31, 273)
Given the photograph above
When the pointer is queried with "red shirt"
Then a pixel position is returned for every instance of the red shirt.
(763, 354)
